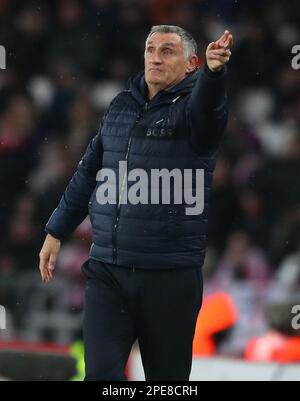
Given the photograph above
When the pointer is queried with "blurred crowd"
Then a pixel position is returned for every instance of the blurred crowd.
(66, 60)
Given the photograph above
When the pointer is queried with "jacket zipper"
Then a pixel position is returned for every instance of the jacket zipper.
(116, 224)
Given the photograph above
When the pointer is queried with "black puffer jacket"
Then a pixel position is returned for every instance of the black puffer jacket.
(179, 128)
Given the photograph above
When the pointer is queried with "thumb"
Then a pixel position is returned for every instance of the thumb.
(211, 46)
(52, 262)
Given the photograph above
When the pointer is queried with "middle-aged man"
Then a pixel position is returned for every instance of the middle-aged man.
(144, 277)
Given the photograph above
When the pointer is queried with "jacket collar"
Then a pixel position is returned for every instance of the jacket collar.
(138, 89)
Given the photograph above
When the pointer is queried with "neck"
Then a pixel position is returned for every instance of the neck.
(154, 89)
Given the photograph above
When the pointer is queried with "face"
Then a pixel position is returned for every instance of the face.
(165, 61)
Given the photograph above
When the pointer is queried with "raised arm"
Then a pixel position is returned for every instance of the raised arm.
(207, 108)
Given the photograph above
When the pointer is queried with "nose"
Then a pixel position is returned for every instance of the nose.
(156, 59)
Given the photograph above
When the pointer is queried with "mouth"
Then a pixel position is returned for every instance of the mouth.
(155, 69)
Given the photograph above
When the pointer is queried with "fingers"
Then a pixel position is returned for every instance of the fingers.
(212, 45)
(222, 60)
(48, 256)
(220, 55)
(220, 52)
(51, 265)
(47, 265)
(230, 42)
(52, 262)
(225, 41)
(212, 48)
(47, 276)
(43, 264)
(222, 40)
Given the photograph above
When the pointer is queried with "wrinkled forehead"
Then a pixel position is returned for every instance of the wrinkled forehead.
(160, 39)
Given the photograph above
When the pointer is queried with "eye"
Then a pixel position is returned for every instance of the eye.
(168, 51)
(149, 49)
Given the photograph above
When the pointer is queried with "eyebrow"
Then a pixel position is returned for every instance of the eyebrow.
(164, 44)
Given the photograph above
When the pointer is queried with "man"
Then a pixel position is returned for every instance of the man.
(144, 276)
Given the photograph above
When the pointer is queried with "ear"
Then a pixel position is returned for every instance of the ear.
(192, 64)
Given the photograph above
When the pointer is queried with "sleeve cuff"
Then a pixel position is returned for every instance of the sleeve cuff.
(55, 235)
(216, 74)
(60, 225)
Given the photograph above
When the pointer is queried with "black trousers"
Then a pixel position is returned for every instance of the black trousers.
(157, 307)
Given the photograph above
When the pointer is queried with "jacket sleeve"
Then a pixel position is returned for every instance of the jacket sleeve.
(207, 111)
(73, 206)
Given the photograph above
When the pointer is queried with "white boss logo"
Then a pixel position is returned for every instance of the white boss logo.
(296, 58)
(296, 319)
(2, 58)
(2, 318)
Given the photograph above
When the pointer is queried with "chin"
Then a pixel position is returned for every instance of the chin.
(153, 80)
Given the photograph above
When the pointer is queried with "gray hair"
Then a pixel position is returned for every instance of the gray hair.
(189, 43)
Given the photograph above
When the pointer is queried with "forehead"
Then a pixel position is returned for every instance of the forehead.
(160, 39)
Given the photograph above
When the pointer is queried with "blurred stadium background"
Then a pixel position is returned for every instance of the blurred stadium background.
(66, 59)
